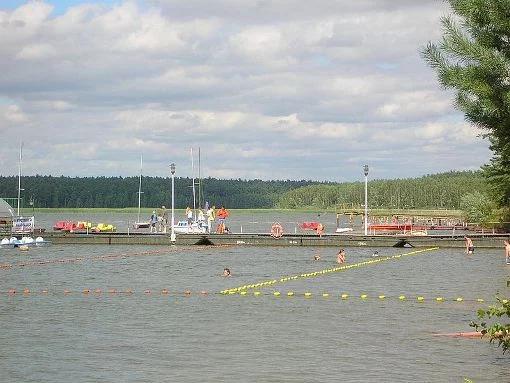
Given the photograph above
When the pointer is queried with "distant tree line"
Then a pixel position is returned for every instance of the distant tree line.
(443, 190)
(120, 192)
(432, 191)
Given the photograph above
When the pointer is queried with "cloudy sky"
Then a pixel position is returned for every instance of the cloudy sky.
(286, 89)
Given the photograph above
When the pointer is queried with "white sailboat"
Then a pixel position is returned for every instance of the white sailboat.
(138, 224)
(196, 227)
(21, 225)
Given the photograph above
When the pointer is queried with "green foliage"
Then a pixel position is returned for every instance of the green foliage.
(428, 192)
(119, 192)
(478, 208)
(473, 58)
(432, 191)
(495, 330)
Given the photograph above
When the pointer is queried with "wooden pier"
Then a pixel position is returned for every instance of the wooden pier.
(258, 239)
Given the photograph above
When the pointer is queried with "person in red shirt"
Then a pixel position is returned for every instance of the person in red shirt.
(222, 216)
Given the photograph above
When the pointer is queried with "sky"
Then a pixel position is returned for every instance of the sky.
(283, 89)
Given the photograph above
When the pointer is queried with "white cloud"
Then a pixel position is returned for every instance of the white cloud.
(270, 88)
(13, 114)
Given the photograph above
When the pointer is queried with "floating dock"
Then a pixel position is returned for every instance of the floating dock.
(259, 239)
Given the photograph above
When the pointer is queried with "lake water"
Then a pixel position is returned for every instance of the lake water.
(174, 337)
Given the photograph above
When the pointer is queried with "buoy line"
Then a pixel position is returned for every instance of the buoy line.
(342, 297)
(103, 257)
(322, 272)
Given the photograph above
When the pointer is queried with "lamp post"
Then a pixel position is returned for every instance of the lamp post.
(365, 170)
(172, 171)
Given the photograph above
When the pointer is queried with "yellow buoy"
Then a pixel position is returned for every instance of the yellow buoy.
(439, 299)
(480, 300)
(420, 299)
(325, 295)
(276, 293)
(290, 294)
(308, 295)
(345, 296)
(382, 296)
(402, 297)
(364, 296)
(256, 293)
(242, 293)
(459, 299)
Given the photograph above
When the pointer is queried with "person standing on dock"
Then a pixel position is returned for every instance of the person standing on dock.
(153, 221)
(201, 218)
(189, 215)
(164, 218)
(211, 216)
(320, 229)
(469, 245)
(507, 251)
(222, 216)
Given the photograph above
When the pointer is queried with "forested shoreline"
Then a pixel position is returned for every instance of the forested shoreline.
(443, 190)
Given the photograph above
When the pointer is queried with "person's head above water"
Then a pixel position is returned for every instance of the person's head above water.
(226, 272)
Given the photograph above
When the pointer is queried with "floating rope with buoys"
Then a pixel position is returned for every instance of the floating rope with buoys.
(257, 285)
(164, 292)
(105, 257)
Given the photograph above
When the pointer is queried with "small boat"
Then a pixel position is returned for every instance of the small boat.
(197, 226)
(392, 227)
(103, 228)
(309, 225)
(14, 242)
(138, 224)
(59, 225)
(182, 227)
(71, 227)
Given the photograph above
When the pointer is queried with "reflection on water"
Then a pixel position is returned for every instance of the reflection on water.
(157, 337)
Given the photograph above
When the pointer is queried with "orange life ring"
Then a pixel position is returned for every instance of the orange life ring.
(276, 230)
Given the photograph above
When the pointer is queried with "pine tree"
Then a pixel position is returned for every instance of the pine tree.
(473, 58)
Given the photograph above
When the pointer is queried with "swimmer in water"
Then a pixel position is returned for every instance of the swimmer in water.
(316, 257)
(226, 272)
(469, 245)
(376, 254)
(340, 257)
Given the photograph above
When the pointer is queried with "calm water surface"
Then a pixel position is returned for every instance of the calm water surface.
(142, 337)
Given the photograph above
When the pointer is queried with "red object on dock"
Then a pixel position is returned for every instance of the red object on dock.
(309, 225)
(60, 225)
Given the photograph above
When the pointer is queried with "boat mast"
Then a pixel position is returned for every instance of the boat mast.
(199, 182)
(140, 188)
(193, 180)
(19, 174)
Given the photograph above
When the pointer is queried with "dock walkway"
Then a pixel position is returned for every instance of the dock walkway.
(258, 239)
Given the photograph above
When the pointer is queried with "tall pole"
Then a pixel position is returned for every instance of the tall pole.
(199, 182)
(172, 171)
(19, 175)
(140, 188)
(194, 192)
(365, 170)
